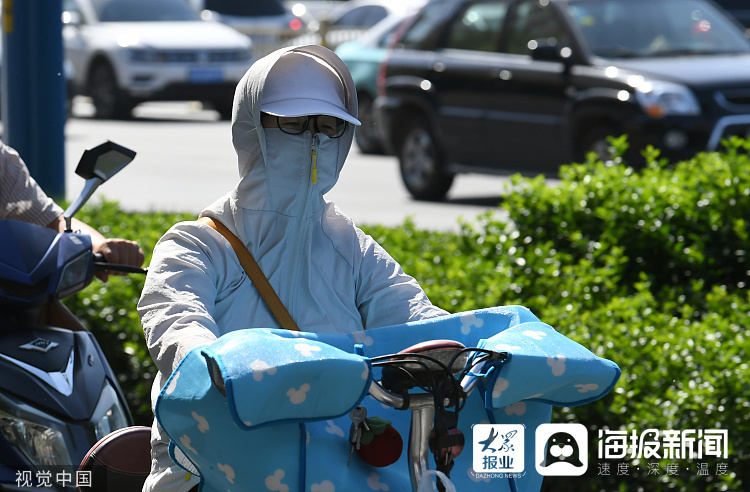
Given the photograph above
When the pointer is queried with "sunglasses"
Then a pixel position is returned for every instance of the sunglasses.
(330, 126)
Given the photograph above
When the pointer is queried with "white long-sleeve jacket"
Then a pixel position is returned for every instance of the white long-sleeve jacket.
(331, 277)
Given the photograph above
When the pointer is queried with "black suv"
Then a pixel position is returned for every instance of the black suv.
(500, 86)
(740, 10)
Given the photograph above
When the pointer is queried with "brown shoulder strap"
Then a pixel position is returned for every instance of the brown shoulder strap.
(256, 275)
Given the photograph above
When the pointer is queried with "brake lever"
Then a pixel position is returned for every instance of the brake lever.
(491, 361)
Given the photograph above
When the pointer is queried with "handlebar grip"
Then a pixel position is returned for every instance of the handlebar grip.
(100, 263)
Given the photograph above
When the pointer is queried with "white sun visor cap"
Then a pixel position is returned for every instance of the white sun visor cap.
(301, 85)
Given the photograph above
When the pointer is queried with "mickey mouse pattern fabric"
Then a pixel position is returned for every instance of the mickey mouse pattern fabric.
(267, 410)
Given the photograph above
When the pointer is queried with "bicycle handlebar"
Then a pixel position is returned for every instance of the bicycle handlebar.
(388, 397)
(425, 406)
(400, 402)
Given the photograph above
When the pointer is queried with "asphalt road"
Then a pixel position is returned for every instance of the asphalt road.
(185, 161)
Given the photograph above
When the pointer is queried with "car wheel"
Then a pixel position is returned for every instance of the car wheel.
(421, 163)
(366, 134)
(595, 140)
(108, 100)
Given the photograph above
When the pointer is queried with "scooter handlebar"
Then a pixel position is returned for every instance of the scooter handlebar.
(101, 263)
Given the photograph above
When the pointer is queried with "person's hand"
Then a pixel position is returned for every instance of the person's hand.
(121, 251)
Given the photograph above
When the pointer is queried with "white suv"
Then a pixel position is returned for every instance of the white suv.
(129, 51)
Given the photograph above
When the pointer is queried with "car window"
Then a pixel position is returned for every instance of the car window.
(534, 20)
(245, 8)
(478, 28)
(143, 11)
(423, 31)
(365, 16)
(386, 39)
(643, 28)
(71, 6)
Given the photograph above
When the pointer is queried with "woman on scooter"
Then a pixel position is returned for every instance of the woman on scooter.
(292, 127)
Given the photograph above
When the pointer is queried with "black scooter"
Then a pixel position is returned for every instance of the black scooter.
(58, 395)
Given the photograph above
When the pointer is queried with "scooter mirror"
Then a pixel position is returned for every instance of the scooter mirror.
(97, 165)
(104, 161)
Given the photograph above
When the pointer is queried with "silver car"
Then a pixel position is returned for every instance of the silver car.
(129, 51)
(268, 23)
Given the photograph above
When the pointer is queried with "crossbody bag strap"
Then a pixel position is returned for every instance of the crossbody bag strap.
(256, 275)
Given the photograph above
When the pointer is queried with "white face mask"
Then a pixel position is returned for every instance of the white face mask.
(327, 162)
(289, 165)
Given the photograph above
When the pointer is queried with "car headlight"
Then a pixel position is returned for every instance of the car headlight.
(41, 445)
(109, 415)
(659, 99)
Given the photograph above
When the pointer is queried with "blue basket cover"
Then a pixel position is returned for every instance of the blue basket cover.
(266, 409)
(317, 381)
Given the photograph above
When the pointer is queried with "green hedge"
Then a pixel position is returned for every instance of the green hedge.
(109, 310)
(646, 268)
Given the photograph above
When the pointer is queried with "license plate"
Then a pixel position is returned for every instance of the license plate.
(205, 76)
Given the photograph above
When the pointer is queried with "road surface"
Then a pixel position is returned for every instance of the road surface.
(185, 161)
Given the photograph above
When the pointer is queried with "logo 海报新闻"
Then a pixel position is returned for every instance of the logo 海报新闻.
(562, 450)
